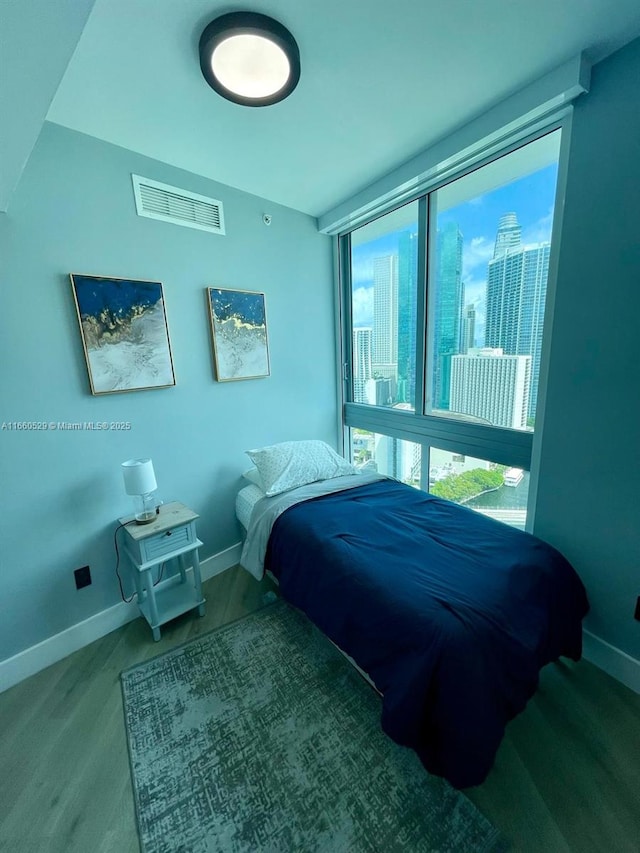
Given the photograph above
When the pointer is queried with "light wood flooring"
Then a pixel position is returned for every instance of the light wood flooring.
(567, 776)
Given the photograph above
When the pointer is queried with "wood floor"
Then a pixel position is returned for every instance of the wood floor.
(567, 776)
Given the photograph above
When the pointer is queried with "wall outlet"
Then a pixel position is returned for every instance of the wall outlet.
(636, 615)
(83, 577)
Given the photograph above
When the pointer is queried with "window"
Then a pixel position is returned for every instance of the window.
(383, 303)
(491, 245)
(446, 299)
(498, 491)
(394, 457)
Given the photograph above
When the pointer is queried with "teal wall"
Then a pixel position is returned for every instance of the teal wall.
(74, 211)
(589, 481)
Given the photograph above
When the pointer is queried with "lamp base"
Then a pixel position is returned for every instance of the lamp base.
(146, 518)
(144, 508)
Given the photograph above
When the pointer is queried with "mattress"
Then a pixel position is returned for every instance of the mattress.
(245, 502)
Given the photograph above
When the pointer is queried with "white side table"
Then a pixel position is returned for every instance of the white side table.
(171, 536)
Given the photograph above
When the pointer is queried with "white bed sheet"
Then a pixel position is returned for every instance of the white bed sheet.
(269, 509)
(246, 499)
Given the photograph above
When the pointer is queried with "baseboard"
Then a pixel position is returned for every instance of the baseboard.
(53, 649)
(612, 660)
(220, 562)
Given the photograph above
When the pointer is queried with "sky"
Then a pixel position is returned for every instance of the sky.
(531, 198)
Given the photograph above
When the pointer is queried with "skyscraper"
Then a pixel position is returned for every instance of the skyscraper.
(468, 333)
(361, 359)
(384, 349)
(448, 310)
(407, 276)
(398, 458)
(509, 234)
(488, 384)
(516, 290)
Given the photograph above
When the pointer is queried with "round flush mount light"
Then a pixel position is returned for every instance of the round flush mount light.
(249, 59)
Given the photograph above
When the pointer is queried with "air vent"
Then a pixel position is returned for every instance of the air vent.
(172, 204)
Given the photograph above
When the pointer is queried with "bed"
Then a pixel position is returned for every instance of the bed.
(450, 613)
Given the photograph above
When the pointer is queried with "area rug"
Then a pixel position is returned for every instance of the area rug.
(261, 737)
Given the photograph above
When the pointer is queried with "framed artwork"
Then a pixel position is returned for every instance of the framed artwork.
(124, 333)
(239, 333)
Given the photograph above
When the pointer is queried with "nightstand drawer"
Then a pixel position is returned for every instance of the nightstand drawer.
(166, 542)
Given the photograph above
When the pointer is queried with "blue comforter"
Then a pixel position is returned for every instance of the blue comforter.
(451, 613)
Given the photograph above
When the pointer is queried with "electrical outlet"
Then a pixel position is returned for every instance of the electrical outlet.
(83, 577)
(636, 615)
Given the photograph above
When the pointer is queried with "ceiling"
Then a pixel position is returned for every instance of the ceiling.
(381, 80)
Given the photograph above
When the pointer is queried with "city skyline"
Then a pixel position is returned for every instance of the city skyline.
(531, 198)
(506, 311)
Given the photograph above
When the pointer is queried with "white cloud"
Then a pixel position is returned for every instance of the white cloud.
(362, 302)
(540, 231)
(475, 253)
(362, 271)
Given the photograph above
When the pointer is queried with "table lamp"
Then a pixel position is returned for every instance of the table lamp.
(140, 483)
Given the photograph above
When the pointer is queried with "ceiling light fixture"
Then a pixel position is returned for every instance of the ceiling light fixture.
(249, 59)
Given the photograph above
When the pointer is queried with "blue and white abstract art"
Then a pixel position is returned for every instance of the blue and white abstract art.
(124, 333)
(239, 330)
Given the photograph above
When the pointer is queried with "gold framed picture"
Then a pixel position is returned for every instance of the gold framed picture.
(239, 333)
(124, 332)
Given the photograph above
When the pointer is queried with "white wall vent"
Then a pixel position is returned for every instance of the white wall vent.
(171, 204)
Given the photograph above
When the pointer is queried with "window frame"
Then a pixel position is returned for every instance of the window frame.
(520, 449)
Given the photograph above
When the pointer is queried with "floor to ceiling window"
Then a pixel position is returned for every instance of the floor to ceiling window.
(444, 326)
(384, 258)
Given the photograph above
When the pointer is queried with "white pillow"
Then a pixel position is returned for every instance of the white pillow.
(253, 476)
(295, 463)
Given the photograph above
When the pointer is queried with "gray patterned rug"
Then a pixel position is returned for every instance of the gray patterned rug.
(261, 737)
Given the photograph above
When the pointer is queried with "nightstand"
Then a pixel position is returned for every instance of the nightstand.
(172, 536)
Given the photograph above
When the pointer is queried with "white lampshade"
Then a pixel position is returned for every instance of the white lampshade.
(139, 476)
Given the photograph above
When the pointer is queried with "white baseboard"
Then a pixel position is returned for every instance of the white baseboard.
(53, 649)
(612, 660)
(220, 562)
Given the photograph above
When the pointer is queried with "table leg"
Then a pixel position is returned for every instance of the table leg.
(139, 588)
(153, 607)
(197, 580)
(183, 567)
